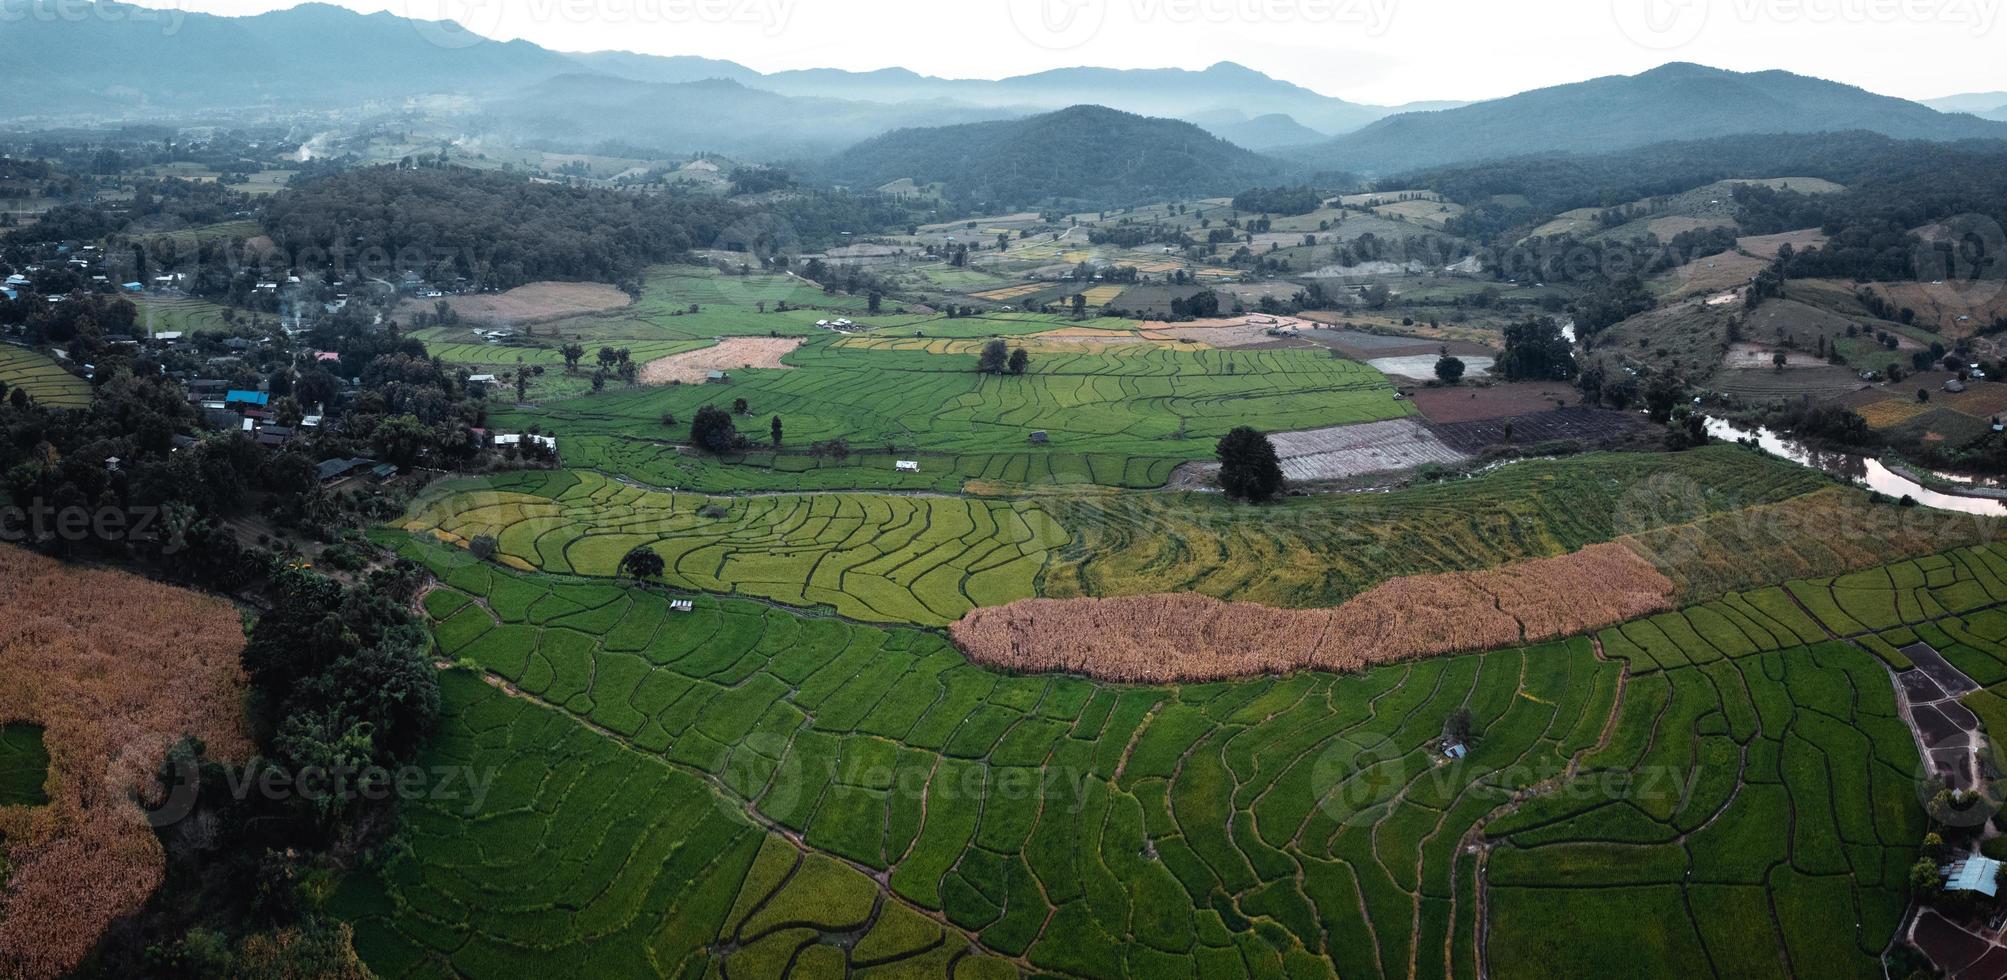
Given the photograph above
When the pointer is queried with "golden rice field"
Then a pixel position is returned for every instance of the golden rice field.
(1710, 520)
(876, 557)
(42, 378)
(1891, 412)
(1008, 293)
(1103, 295)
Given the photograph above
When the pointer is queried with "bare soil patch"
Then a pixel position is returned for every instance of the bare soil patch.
(1469, 403)
(1592, 427)
(1196, 638)
(534, 303)
(730, 354)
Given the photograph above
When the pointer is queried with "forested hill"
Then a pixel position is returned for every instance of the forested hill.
(502, 230)
(1086, 156)
(1551, 183)
(1673, 102)
(496, 229)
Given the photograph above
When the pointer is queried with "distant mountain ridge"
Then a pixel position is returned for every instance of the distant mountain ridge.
(583, 110)
(1261, 133)
(1674, 102)
(1977, 103)
(111, 59)
(1088, 156)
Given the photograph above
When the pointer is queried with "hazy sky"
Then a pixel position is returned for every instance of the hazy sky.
(1380, 51)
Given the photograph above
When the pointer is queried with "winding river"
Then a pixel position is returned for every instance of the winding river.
(1860, 470)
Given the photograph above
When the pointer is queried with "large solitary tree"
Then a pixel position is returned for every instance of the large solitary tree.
(713, 432)
(642, 564)
(1249, 469)
(1536, 350)
(1449, 370)
(994, 359)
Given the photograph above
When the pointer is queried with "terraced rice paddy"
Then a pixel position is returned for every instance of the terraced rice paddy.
(795, 468)
(901, 559)
(1320, 551)
(42, 378)
(929, 559)
(184, 314)
(738, 790)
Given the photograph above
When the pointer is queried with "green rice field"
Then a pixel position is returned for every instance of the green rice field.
(186, 315)
(745, 791)
(24, 766)
(1124, 418)
(928, 559)
(903, 559)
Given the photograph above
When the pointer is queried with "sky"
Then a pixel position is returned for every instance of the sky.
(1373, 51)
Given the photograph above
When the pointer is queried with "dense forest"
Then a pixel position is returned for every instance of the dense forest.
(493, 230)
(1279, 200)
(1503, 194)
(156, 205)
(498, 231)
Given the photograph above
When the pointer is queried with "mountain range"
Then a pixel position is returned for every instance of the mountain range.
(1677, 101)
(66, 61)
(581, 111)
(119, 61)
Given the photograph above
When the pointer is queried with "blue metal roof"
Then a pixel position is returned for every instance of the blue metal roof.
(1975, 874)
(247, 397)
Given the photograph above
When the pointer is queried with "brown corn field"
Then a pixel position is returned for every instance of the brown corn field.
(1194, 638)
(116, 669)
